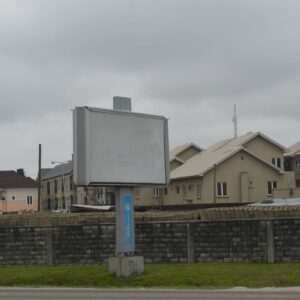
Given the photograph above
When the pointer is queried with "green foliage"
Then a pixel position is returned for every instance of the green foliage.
(156, 276)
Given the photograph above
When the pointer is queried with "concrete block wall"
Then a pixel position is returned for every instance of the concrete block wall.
(162, 242)
(159, 242)
(286, 240)
(234, 241)
(23, 246)
(82, 244)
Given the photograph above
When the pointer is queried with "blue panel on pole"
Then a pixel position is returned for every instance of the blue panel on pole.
(128, 221)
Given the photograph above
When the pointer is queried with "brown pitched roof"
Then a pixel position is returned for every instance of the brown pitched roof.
(11, 179)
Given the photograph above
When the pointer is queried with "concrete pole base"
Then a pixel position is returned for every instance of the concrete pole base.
(125, 266)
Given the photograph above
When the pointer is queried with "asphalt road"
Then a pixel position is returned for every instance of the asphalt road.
(142, 294)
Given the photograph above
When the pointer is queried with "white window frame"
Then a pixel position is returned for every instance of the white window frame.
(297, 164)
(273, 185)
(184, 192)
(276, 161)
(223, 188)
(198, 191)
(156, 193)
(29, 200)
(190, 191)
(137, 192)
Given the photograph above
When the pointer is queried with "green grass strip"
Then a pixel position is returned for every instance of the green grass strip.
(200, 276)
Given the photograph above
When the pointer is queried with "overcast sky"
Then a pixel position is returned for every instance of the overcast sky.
(188, 60)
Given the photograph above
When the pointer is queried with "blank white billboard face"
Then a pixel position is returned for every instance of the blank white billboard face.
(119, 148)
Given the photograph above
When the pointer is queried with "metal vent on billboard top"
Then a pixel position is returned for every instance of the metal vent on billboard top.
(122, 103)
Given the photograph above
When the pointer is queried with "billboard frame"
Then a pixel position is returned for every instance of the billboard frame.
(81, 154)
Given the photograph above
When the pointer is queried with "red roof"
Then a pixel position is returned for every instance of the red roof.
(11, 179)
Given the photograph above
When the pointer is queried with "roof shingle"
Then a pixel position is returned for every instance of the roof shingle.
(11, 179)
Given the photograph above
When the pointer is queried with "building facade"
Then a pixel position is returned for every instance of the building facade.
(292, 161)
(59, 191)
(239, 170)
(57, 187)
(17, 192)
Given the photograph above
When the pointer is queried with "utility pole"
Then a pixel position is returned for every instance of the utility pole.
(40, 177)
(234, 120)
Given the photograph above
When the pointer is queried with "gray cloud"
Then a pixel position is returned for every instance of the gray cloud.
(190, 60)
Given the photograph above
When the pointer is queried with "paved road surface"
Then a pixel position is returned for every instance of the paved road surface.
(141, 294)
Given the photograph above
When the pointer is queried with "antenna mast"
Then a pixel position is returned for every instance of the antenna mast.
(234, 120)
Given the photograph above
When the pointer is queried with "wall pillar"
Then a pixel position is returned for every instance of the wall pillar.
(270, 242)
(190, 243)
(49, 246)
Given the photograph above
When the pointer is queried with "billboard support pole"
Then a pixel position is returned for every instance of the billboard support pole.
(125, 237)
(125, 263)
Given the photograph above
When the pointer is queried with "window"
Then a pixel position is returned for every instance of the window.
(177, 189)
(56, 203)
(62, 184)
(271, 185)
(198, 191)
(29, 200)
(190, 194)
(166, 191)
(55, 186)
(137, 192)
(276, 161)
(297, 164)
(71, 183)
(297, 183)
(155, 192)
(184, 192)
(222, 189)
(2, 198)
(48, 187)
(13, 198)
(66, 180)
(63, 200)
(49, 204)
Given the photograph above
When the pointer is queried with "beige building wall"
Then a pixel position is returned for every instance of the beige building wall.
(296, 167)
(289, 179)
(286, 193)
(246, 178)
(144, 196)
(187, 191)
(234, 171)
(265, 150)
(16, 199)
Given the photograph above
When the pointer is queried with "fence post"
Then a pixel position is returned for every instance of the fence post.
(270, 242)
(190, 243)
(49, 245)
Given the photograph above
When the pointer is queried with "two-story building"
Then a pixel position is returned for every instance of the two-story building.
(59, 191)
(17, 192)
(292, 161)
(57, 187)
(237, 170)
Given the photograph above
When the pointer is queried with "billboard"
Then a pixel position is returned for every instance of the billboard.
(119, 148)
